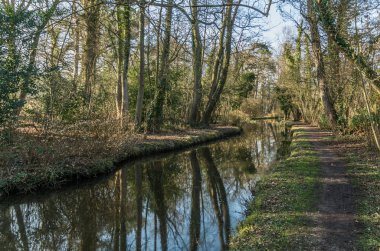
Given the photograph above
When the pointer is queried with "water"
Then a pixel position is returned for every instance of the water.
(186, 201)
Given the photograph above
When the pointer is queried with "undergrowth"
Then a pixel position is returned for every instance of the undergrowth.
(364, 170)
(47, 160)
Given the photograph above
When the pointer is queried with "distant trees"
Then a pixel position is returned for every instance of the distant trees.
(343, 37)
(150, 65)
(87, 60)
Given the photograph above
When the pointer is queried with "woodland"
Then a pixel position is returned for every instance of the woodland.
(81, 77)
(76, 67)
(86, 83)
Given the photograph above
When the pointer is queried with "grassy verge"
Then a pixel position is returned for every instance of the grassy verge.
(48, 163)
(364, 170)
(278, 216)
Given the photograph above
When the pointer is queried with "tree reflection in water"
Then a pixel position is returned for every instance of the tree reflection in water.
(195, 217)
(187, 201)
(219, 199)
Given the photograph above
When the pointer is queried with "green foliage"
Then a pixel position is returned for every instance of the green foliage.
(16, 73)
(362, 120)
(9, 87)
(285, 100)
(176, 97)
(323, 122)
(290, 87)
(289, 57)
(133, 77)
(241, 89)
(247, 83)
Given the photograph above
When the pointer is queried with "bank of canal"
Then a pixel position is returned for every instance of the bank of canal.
(281, 216)
(183, 201)
(29, 177)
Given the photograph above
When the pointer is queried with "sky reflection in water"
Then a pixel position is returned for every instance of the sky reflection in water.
(187, 201)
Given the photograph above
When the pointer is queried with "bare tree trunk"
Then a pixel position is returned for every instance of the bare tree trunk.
(123, 55)
(158, 44)
(298, 110)
(156, 114)
(220, 72)
(120, 54)
(197, 66)
(140, 95)
(92, 8)
(54, 54)
(127, 53)
(373, 125)
(359, 61)
(76, 47)
(321, 75)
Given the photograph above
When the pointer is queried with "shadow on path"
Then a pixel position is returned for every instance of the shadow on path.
(336, 227)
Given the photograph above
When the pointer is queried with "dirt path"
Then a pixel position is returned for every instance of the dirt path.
(336, 228)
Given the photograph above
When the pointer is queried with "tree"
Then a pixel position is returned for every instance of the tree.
(18, 61)
(155, 118)
(334, 31)
(359, 61)
(222, 62)
(197, 59)
(140, 95)
(124, 51)
(90, 51)
(319, 62)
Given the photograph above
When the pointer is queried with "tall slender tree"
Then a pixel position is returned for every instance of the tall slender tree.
(222, 62)
(127, 53)
(140, 95)
(197, 59)
(155, 118)
(312, 19)
(90, 51)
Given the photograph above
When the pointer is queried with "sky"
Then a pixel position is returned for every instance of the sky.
(274, 29)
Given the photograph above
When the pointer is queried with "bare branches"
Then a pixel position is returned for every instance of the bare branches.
(182, 8)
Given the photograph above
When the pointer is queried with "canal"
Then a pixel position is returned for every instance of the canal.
(192, 200)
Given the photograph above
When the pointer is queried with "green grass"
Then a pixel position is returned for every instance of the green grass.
(279, 216)
(364, 169)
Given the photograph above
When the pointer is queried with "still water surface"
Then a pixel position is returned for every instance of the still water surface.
(191, 200)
